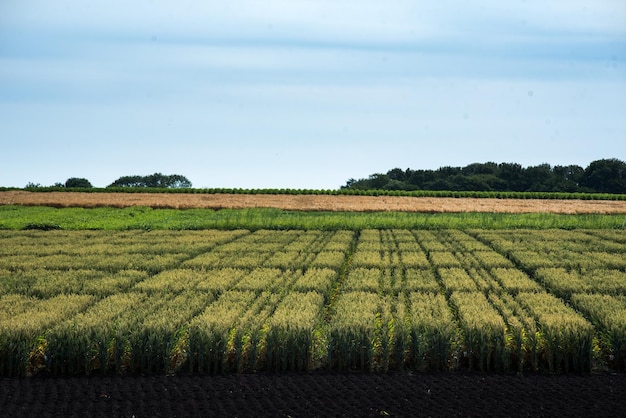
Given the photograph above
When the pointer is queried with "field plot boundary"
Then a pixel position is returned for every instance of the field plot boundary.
(311, 202)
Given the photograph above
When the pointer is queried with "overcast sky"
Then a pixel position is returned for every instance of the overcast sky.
(305, 93)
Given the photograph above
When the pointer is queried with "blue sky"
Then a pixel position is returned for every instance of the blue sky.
(305, 93)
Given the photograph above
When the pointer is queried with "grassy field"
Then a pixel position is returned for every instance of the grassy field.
(277, 291)
(140, 217)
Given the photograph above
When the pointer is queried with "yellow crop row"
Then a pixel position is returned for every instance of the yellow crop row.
(609, 313)
(217, 301)
(567, 334)
(483, 329)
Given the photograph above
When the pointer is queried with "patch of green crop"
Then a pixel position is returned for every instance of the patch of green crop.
(145, 218)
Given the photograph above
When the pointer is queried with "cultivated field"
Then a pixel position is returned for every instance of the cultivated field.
(371, 300)
(312, 202)
(448, 310)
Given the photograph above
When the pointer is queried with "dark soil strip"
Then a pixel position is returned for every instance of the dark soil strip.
(316, 394)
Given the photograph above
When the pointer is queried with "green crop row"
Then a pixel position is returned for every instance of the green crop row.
(148, 219)
(340, 192)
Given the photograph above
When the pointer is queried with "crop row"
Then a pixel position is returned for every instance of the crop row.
(343, 191)
(586, 270)
(234, 301)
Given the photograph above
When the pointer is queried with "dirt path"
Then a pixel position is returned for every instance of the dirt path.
(311, 202)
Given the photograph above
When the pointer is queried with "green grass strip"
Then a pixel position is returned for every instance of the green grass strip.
(138, 217)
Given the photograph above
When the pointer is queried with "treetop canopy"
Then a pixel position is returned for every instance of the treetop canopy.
(601, 176)
(156, 180)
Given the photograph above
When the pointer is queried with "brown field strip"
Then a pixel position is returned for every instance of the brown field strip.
(311, 202)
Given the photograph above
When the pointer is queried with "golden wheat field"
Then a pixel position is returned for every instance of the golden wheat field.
(312, 202)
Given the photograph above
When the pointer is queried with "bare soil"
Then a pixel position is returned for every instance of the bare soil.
(316, 394)
(312, 202)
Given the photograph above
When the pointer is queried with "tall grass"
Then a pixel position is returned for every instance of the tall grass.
(143, 218)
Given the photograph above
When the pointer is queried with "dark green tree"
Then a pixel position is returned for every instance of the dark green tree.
(397, 174)
(78, 182)
(538, 178)
(478, 168)
(605, 176)
(420, 178)
(174, 181)
(129, 181)
(566, 178)
(513, 176)
(378, 181)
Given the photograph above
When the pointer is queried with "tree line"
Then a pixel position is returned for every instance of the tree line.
(156, 180)
(600, 176)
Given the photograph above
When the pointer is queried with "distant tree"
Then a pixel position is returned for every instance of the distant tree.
(478, 182)
(448, 171)
(174, 181)
(566, 178)
(362, 184)
(439, 184)
(512, 174)
(395, 185)
(538, 178)
(605, 176)
(397, 174)
(350, 183)
(378, 181)
(128, 181)
(419, 178)
(479, 168)
(78, 182)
